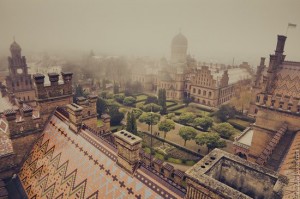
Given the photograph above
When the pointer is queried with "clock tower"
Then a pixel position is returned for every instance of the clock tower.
(19, 83)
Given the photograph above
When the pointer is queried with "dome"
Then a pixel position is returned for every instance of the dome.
(15, 46)
(179, 40)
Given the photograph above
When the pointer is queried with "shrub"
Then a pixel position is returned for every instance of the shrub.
(119, 97)
(129, 101)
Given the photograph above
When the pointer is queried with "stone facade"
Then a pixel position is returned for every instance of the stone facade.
(223, 175)
(128, 146)
(54, 95)
(205, 89)
(277, 108)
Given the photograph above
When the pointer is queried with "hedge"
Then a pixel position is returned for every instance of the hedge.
(177, 107)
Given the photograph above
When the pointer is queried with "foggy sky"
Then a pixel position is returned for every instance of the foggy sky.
(217, 30)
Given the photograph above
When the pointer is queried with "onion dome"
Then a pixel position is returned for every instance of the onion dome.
(179, 40)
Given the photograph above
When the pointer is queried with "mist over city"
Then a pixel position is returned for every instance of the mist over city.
(217, 31)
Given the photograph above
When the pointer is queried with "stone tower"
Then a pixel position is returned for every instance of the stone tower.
(19, 82)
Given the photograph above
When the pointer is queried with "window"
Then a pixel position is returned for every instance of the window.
(280, 106)
(199, 91)
(28, 98)
(194, 90)
(204, 93)
(209, 94)
(289, 108)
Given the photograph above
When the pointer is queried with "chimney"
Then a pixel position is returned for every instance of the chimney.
(39, 79)
(67, 77)
(128, 146)
(53, 78)
(26, 111)
(280, 44)
(262, 61)
(81, 101)
(75, 115)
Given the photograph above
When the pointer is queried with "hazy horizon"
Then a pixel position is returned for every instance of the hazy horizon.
(217, 31)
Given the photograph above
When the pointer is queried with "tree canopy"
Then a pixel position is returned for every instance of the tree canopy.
(211, 140)
(186, 118)
(131, 123)
(151, 107)
(204, 122)
(166, 126)
(129, 101)
(187, 133)
(149, 118)
(225, 130)
(225, 112)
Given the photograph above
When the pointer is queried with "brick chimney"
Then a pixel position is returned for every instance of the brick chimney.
(280, 44)
(128, 146)
(75, 115)
(53, 78)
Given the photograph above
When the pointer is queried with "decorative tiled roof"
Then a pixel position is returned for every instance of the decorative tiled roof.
(288, 80)
(63, 164)
(6, 147)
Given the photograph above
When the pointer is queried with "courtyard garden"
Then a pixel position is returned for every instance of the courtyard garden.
(182, 133)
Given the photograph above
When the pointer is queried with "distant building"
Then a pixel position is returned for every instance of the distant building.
(183, 78)
(19, 83)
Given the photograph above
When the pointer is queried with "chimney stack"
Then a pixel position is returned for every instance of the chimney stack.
(262, 61)
(128, 146)
(53, 78)
(75, 114)
(280, 44)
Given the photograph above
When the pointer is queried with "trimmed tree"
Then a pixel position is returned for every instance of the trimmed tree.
(162, 101)
(151, 107)
(128, 122)
(187, 133)
(166, 126)
(225, 130)
(101, 106)
(149, 118)
(186, 117)
(129, 101)
(131, 123)
(137, 112)
(225, 112)
(204, 122)
(211, 140)
(115, 114)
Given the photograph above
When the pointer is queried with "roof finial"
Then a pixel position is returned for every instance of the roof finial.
(14, 38)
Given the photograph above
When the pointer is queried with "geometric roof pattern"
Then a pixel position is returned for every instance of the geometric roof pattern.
(63, 164)
(288, 80)
(5, 143)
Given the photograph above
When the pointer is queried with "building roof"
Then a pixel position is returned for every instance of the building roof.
(245, 139)
(289, 166)
(82, 165)
(5, 143)
(288, 80)
(5, 104)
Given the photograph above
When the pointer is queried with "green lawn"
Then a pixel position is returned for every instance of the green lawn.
(193, 110)
(170, 103)
(240, 122)
(141, 97)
